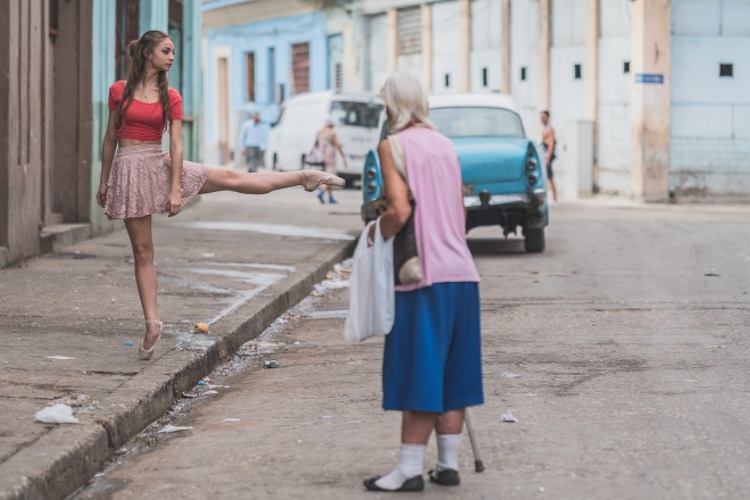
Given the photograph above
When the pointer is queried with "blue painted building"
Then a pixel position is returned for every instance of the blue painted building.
(258, 53)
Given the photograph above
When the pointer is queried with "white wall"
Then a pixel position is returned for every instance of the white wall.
(486, 38)
(446, 47)
(710, 115)
(567, 95)
(377, 52)
(524, 52)
(614, 143)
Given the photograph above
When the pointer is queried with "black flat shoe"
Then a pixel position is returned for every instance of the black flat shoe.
(446, 477)
(415, 483)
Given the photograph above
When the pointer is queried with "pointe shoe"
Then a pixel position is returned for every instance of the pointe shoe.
(145, 354)
(313, 179)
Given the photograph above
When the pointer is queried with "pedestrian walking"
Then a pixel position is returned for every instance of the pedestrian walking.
(327, 143)
(139, 179)
(432, 357)
(549, 144)
(253, 140)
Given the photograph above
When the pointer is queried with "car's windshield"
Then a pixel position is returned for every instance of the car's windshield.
(476, 122)
(356, 114)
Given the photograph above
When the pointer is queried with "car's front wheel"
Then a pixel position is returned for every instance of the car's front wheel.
(534, 240)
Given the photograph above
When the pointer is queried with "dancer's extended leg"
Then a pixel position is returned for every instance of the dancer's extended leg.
(265, 182)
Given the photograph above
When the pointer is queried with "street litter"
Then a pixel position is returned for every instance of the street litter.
(320, 288)
(194, 345)
(231, 420)
(201, 382)
(209, 393)
(201, 328)
(280, 321)
(127, 343)
(59, 357)
(190, 394)
(56, 414)
(271, 363)
(215, 386)
(326, 417)
(208, 255)
(508, 417)
(173, 428)
(262, 346)
(510, 375)
(333, 285)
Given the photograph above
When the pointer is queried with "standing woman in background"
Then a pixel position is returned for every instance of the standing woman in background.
(139, 179)
(328, 141)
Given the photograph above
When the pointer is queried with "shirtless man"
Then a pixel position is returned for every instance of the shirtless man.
(549, 142)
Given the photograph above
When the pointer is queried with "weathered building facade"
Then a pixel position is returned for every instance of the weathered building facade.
(45, 137)
(57, 60)
(652, 89)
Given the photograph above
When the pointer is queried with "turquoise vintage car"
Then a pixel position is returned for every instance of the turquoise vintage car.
(504, 182)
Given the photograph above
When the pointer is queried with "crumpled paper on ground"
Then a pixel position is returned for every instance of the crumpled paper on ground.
(173, 428)
(56, 414)
(508, 417)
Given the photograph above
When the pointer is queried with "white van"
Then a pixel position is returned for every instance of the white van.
(293, 134)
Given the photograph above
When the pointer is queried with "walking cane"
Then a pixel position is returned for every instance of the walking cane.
(478, 465)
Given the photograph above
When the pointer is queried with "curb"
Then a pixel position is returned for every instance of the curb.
(69, 455)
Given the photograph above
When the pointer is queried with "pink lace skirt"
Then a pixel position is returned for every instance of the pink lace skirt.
(141, 178)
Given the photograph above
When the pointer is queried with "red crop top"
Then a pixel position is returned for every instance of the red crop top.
(143, 119)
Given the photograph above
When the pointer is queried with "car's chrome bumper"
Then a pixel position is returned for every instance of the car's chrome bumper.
(534, 199)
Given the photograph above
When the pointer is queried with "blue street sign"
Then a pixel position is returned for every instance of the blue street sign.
(657, 78)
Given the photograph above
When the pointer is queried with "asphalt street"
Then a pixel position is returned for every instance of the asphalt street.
(621, 350)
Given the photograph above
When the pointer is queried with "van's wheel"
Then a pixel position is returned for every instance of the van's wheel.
(534, 240)
(275, 163)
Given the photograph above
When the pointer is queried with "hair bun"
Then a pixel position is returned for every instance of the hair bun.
(132, 48)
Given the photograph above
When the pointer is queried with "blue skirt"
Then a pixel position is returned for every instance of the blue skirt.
(433, 356)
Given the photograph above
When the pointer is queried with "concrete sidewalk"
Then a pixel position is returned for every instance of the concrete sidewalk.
(67, 319)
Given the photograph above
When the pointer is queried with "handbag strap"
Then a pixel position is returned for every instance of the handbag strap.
(399, 159)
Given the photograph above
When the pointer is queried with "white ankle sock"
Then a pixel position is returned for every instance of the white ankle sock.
(410, 465)
(448, 445)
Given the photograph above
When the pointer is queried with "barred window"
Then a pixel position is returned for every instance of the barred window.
(409, 22)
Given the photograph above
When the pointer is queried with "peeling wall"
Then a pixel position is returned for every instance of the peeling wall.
(614, 146)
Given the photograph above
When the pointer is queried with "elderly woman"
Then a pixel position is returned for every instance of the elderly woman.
(432, 360)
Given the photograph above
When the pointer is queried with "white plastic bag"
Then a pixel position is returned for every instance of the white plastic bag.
(372, 299)
(56, 414)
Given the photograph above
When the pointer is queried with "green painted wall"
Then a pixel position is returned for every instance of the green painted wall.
(102, 76)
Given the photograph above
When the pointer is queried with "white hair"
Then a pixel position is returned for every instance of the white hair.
(406, 100)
